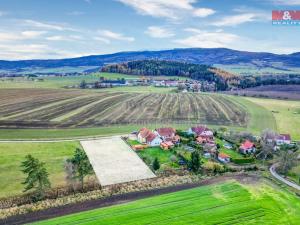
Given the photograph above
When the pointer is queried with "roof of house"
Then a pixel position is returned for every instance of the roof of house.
(223, 155)
(147, 134)
(285, 137)
(166, 131)
(144, 132)
(199, 129)
(151, 136)
(247, 144)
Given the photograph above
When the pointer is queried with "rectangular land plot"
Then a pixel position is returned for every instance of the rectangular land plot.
(114, 161)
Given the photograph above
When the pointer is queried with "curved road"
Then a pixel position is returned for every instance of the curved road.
(278, 177)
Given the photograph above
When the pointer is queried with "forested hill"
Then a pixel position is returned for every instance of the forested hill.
(173, 68)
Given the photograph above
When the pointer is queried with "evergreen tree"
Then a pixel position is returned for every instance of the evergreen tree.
(37, 176)
(82, 165)
(156, 164)
(195, 162)
(82, 84)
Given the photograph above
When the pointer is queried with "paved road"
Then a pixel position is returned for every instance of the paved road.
(57, 140)
(278, 177)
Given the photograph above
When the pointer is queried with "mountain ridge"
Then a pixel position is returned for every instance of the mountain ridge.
(208, 56)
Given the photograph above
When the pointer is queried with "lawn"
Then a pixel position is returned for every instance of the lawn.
(58, 82)
(285, 112)
(231, 152)
(224, 203)
(17, 134)
(156, 152)
(12, 154)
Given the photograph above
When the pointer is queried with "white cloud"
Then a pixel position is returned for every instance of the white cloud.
(236, 19)
(32, 33)
(110, 35)
(159, 32)
(206, 39)
(16, 36)
(47, 26)
(286, 2)
(102, 39)
(203, 12)
(75, 13)
(168, 9)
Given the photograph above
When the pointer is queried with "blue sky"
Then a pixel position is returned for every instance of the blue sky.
(31, 29)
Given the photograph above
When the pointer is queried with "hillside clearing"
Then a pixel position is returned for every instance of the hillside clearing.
(224, 203)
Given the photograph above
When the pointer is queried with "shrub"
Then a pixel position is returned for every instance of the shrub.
(243, 160)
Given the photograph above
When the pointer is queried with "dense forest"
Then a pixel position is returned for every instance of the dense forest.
(222, 79)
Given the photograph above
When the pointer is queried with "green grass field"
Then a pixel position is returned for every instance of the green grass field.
(12, 154)
(285, 112)
(225, 203)
(259, 118)
(60, 82)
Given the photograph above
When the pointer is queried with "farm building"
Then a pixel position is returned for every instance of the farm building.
(222, 157)
(247, 147)
(146, 136)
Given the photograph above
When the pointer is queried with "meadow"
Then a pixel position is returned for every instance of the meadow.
(223, 203)
(285, 112)
(62, 81)
(12, 154)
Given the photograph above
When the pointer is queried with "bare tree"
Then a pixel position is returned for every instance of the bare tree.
(70, 177)
(287, 160)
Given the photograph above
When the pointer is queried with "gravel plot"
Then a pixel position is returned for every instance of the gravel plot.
(115, 162)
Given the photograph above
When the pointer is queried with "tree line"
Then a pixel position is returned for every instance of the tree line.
(223, 80)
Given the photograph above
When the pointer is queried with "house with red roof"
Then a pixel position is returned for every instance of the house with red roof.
(202, 131)
(146, 136)
(247, 147)
(166, 133)
(224, 158)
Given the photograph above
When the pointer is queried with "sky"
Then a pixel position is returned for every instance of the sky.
(43, 29)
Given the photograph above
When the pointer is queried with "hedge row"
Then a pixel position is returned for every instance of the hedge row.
(242, 160)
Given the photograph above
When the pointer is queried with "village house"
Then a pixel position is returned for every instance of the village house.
(224, 158)
(202, 131)
(146, 136)
(279, 139)
(168, 134)
(247, 147)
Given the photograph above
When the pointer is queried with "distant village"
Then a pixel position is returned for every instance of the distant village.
(187, 85)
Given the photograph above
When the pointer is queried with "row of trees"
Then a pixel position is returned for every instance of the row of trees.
(37, 177)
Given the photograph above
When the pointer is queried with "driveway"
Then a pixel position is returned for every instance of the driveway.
(278, 177)
(115, 162)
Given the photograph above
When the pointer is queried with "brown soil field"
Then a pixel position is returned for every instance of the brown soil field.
(39, 108)
(291, 92)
